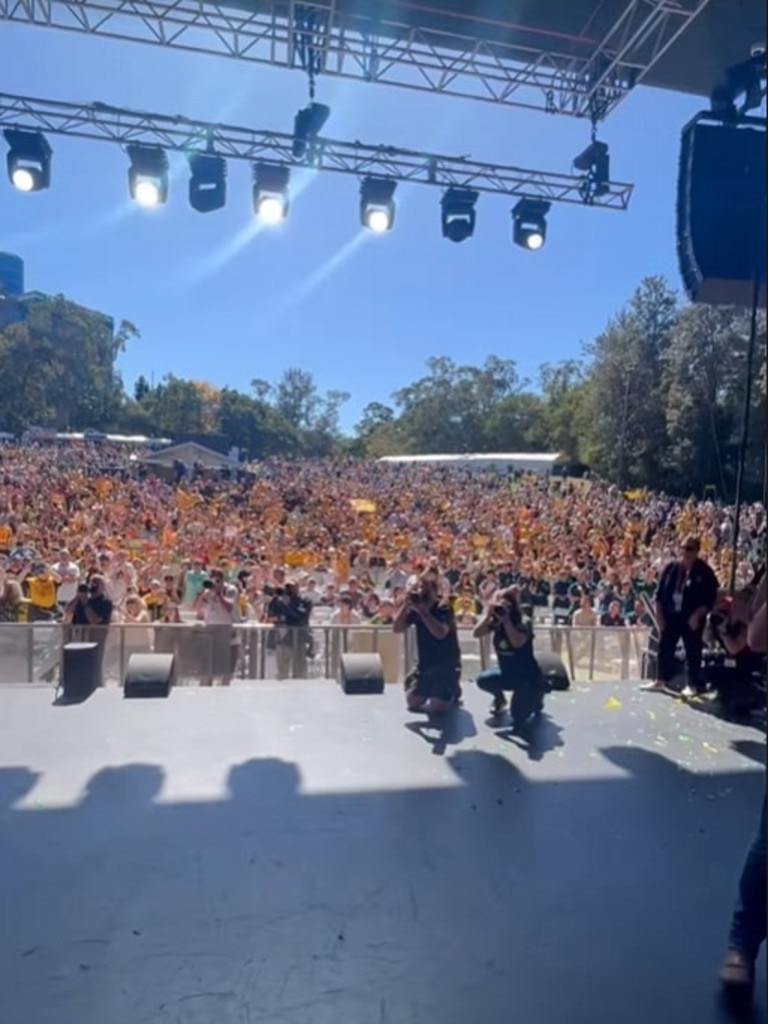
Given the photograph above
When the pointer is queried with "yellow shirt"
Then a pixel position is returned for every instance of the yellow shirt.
(42, 591)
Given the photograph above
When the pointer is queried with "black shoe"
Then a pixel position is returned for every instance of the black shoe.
(499, 705)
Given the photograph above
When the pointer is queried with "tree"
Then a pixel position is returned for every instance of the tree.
(563, 390)
(704, 376)
(176, 406)
(296, 398)
(141, 388)
(324, 434)
(624, 406)
(448, 409)
(59, 367)
(255, 427)
(374, 416)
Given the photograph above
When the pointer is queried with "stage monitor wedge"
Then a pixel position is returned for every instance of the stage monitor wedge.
(721, 210)
(361, 674)
(149, 676)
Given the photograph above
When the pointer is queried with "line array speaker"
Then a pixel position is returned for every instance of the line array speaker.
(721, 211)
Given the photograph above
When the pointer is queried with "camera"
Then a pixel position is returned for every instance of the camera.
(207, 584)
(415, 596)
(717, 620)
(83, 588)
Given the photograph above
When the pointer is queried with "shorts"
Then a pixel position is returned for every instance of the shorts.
(438, 681)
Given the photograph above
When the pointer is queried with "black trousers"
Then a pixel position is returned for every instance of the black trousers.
(677, 629)
(747, 932)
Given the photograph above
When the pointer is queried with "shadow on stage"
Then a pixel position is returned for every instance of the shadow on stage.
(594, 899)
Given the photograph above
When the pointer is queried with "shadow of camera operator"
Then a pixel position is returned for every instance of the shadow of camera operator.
(15, 784)
(538, 737)
(442, 731)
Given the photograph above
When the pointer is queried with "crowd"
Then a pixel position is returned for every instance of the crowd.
(348, 532)
(90, 534)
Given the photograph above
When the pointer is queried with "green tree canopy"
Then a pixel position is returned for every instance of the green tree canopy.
(656, 399)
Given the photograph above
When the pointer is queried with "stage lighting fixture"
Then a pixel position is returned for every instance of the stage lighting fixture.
(148, 175)
(595, 163)
(529, 223)
(207, 183)
(271, 199)
(307, 125)
(28, 160)
(377, 205)
(458, 214)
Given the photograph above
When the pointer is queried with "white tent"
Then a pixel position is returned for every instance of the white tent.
(189, 452)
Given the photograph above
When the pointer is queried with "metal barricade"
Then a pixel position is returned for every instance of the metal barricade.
(31, 652)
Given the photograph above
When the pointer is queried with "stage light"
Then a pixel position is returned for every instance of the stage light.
(148, 175)
(529, 223)
(377, 205)
(595, 163)
(28, 160)
(307, 125)
(458, 214)
(271, 198)
(208, 182)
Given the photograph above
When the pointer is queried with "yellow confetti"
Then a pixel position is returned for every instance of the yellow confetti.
(710, 748)
(652, 715)
(612, 704)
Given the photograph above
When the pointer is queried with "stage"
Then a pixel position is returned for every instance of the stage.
(281, 853)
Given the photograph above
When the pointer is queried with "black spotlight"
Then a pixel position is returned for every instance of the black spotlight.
(458, 214)
(207, 183)
(29, 160)
(307, 125)
(377, 204)
(529, 223)
(271, 197)
(148, 175)
(595, 163)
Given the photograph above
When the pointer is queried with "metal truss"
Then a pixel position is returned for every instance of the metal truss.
(97, 121)
(322, 39)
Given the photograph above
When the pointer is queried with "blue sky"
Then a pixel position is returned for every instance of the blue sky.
(215, 300)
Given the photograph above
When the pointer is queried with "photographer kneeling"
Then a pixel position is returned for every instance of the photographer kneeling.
(518, 671)
(435, 680)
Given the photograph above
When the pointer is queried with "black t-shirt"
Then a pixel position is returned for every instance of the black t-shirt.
(561, 588)
(682, 593)
(284, 611)
(515, 661)
(100, 605)
(431, 651)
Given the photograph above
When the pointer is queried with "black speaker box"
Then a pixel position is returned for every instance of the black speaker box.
(80, 671)
(149, 675)
(554, 671)
(721, 211)
(361, 673)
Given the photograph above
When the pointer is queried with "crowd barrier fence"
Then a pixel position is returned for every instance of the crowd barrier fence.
(32, 652)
